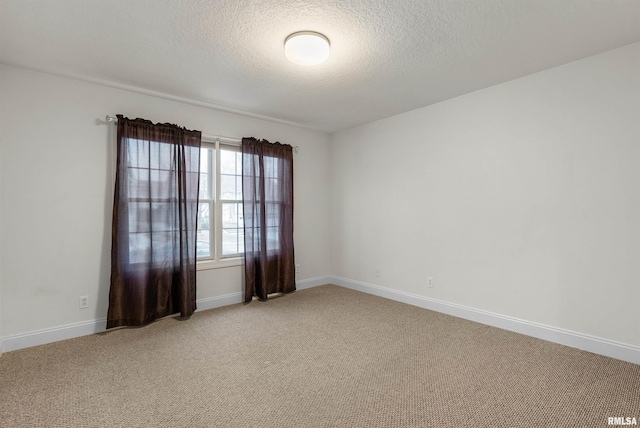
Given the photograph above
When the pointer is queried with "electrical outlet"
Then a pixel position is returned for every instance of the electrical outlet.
(430, 282)
(297, 268)
(84, 302)
(376, 272)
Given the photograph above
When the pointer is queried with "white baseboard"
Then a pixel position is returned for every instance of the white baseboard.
(69, 331)
(49, 335)
(219, 301)
(593, 344)
(582, 341)
(313, 282)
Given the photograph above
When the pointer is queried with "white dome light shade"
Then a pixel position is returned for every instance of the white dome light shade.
(306, 48)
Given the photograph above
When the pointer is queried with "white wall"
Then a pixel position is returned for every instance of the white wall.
(56, 194)
(2, 112)
(522, 199)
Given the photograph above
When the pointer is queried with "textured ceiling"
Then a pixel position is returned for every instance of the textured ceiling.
(388, 56)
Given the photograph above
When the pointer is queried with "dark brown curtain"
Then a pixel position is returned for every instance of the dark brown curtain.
(267, 201)
(153, 249)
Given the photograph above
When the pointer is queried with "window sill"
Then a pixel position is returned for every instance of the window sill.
(218, 264)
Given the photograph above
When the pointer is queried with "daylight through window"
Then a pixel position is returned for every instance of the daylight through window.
(220, 227)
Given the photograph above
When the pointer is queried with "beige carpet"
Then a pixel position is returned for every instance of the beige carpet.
(322, 357)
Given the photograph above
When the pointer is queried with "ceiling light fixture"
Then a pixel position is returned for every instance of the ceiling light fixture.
(306, 48)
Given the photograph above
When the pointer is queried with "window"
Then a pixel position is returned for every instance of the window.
(273, 210)
(152, 230)
(220, 227)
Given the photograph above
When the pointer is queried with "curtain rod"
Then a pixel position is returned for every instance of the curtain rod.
(113, 119)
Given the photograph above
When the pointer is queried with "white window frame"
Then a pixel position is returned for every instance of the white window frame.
(216, 260)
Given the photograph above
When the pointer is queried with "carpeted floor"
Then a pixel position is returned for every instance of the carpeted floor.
(322, 357)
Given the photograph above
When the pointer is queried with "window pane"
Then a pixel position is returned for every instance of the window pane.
(160, 183)
(138, 183)
(203, 236)
(163, 245)
(204, 220)
(204, 160)
(204, 187)
(228, 187)
(272, 212)
(271, 189)
(139, 218)
(137, 153)
(273, 243)
(162, 155)
(240, 241)
(205, 176)
(161, 220)
(270, 167)
(229, 241)
(240, 215)
(229, 215)
(203, 245)
(139, 245)
(238, 187)
(232, 232)
(227, 161)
